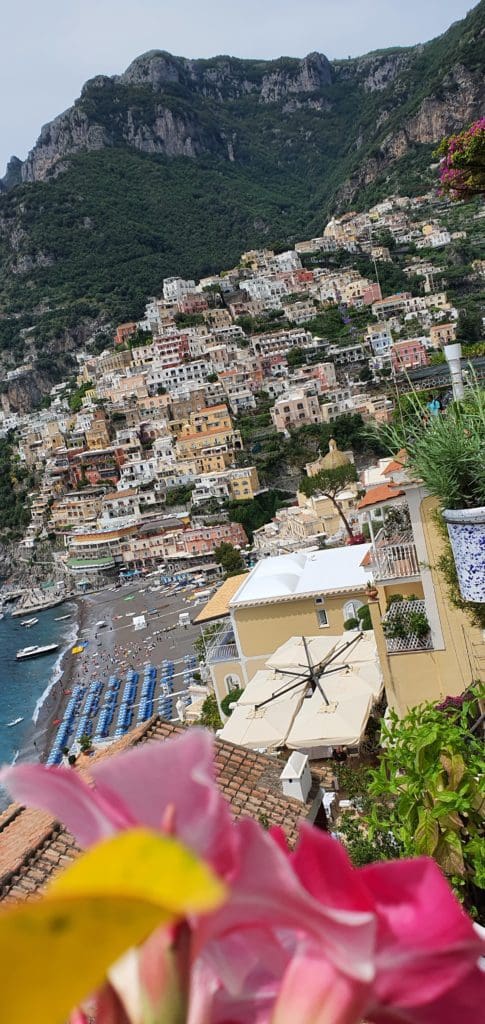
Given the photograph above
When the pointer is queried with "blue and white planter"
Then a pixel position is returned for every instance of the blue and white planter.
(466, 529)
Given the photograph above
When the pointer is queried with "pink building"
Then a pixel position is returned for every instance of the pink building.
(203, 539)
(407, 355)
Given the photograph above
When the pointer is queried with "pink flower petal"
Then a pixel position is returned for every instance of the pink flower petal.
(463, 1004)
(265, 891)
(323, 866)
(89, 814)
(313, 992)
(151, 777)
(425, 942)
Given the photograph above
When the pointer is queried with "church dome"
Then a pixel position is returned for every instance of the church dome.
(335, 458)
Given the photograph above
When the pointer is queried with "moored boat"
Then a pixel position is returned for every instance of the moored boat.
(34, 652)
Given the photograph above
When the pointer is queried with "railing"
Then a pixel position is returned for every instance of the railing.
(395, 561)
(404, 611)
(222, 652)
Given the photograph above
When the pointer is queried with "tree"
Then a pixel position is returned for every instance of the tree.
(230, 558)
(462, 167)
(295, 356)
(210, 716)
(329, 483)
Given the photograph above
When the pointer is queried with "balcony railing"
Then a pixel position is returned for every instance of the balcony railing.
(395, 559)
(222, 652)
(402, 612)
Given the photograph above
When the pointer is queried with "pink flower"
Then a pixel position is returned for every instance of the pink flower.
(427, 948)
(165, 786)
(304, 938)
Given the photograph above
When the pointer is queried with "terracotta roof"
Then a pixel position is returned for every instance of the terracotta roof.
(34, 847)
(113, 495)
(377, 495)
(397, 464)
(218, 605)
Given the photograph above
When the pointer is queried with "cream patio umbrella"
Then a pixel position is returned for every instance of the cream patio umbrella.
(342, 722)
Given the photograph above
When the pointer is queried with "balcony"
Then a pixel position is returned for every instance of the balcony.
(222, 652)
(222, 646)
(406, 628)
(394, 559)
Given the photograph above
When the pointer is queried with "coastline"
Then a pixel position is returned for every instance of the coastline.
(117, 645)
(53, 706)
(38, 742)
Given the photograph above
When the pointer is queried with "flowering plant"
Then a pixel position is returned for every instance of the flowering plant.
(177, 913)
(462, 167)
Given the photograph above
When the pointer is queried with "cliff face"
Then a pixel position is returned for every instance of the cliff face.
(170, 106)
(177, 166)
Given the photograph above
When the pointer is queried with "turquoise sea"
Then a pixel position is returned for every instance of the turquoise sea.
(26, 685)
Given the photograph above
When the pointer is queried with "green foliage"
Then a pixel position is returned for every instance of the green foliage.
(200, 643)
(104, 233)
(76, 398)
(295, 357)
(406, 621)
(230, 559)
(351, 623)
(178, 495)
(428, 791)
(231, 698)
(257, 512)
(210, 716)
(15, 483)
(445, 451)
(364, 617)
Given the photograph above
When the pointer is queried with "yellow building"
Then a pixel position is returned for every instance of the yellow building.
(97, 436)
(404, 560)
(76, 508)
(243, 483)
(291, 595)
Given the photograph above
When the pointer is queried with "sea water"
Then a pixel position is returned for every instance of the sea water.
(25, 685)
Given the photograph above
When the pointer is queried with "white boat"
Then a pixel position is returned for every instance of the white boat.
(14, 722)
(28, 622)
(34, 652)
(60, 618)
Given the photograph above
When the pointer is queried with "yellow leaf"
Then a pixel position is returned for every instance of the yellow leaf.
(144, 865)
(56, 951)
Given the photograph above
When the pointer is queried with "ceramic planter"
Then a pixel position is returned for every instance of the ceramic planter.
(466, 529)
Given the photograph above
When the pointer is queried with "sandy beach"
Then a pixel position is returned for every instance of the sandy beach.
(116, 646)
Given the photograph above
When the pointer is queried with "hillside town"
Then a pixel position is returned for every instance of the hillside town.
(138, 458)
(242, 521)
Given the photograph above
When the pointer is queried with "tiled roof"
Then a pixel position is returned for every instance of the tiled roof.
(34, 847)
(397, 464)
(384, 492)
(218, 605)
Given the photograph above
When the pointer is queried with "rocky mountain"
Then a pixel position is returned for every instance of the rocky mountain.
(176, 166)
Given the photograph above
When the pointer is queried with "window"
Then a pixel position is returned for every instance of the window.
(351, 609)
(322, 617)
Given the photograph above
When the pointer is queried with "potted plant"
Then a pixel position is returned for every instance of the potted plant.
(447, 452)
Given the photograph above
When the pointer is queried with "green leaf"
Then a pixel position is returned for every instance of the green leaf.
(454, 766)
(427, 834)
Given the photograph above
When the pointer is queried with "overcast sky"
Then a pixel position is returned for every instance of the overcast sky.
(50, 47)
